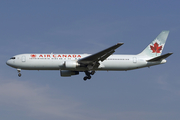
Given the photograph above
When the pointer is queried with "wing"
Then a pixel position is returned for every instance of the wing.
(100, 56)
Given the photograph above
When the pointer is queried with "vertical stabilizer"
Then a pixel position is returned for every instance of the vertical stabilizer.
(155, 48)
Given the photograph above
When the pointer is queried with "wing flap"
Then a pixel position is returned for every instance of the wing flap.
(159, 58)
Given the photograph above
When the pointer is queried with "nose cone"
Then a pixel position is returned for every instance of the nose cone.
(9, 63)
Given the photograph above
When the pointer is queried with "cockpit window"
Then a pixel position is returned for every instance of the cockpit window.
(13, 58)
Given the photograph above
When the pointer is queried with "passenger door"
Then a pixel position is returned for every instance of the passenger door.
(23, 59)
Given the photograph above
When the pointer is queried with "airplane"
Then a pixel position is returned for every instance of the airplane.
(105, 60)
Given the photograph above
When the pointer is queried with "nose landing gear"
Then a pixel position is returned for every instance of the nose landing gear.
(19, 72)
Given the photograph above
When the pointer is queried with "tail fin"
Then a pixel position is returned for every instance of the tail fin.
(155, 48)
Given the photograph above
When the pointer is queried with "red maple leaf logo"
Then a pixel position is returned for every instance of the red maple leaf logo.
(156, 48)
(33, 56)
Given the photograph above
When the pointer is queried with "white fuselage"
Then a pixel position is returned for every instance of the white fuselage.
(57, 61)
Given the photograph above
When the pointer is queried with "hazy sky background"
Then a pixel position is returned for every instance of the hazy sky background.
(88, 26)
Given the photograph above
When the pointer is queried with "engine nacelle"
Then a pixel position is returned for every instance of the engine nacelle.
(71, 64)
(68, 73)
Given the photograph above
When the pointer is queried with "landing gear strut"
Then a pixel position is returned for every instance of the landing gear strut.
(19, 72)
(88, 75)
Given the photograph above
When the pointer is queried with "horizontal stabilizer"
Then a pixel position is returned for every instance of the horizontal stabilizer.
(159, 58)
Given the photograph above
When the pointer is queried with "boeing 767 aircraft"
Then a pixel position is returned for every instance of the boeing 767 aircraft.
(72, 64)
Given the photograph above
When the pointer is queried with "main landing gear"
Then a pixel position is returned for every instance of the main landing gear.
(88, 75)
(19, 72)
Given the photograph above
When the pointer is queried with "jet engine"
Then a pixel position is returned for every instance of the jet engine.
(68, 73)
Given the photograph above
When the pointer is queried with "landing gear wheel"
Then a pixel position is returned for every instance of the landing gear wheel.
(85, 78)
(88, 75)
(19, 74)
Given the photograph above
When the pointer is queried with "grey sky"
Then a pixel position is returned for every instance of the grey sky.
(78, 26)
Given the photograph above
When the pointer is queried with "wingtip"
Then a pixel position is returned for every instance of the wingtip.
(165, 31)
(120, 43)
